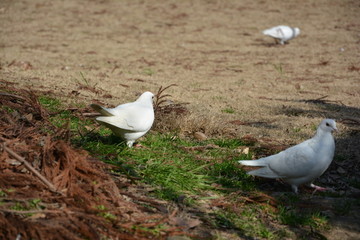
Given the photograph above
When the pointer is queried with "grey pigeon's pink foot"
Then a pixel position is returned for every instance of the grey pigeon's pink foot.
(317, 188)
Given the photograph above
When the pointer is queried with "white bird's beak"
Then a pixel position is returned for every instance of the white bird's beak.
(335, 129)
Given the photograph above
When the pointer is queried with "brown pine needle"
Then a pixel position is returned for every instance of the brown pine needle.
(31, 169)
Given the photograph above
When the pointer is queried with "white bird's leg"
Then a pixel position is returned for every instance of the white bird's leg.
(130, 143)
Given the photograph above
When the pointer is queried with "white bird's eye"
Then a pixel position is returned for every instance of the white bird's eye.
(327, 124)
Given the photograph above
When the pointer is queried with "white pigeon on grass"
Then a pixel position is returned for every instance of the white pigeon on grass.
(282, 33)
(302, 163)
(129, 121)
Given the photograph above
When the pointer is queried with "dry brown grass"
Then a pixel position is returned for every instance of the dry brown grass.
(77, 194)
(212, 50)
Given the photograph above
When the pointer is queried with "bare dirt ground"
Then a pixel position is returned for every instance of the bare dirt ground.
(235, 80)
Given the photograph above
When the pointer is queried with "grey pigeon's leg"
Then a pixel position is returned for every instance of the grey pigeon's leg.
(280, 31)
(294, 188)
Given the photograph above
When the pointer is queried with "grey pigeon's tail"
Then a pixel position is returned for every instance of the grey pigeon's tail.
(254, 163)
(265, 171)
(103, 111)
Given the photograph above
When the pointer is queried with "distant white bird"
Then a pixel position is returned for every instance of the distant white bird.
(129, 121)
(282, 33)
(302, 163)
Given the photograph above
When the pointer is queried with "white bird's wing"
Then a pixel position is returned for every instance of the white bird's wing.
(133, 117)
(275, 32)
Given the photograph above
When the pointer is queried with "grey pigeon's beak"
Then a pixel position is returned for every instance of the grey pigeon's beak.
(335, 129)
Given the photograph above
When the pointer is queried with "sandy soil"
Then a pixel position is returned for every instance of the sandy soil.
(224, 68)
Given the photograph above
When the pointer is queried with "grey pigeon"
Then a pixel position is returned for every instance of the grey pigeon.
(282, 33)
(129, 121)
(302, 163)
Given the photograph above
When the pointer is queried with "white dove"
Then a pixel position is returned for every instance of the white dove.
(282, 33)
(129, 121)
(302, 163)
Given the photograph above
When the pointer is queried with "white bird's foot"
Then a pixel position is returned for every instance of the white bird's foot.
(130, 143)
(138, 145)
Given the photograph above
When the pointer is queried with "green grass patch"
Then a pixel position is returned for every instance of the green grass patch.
(31, 204)
(148, 71)
(50, 103)
(228, 143)
(107, 215)
(279, 68)
(156, 231)
(8, 109)
(228, 110)
(60, 116)
(229, 175)
(248, 222)
(178, 169)
(165, 162)
(296, 218)
(3, 193)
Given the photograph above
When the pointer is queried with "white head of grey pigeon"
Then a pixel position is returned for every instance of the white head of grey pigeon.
(282, 33)
(302, 163)
(129, 121)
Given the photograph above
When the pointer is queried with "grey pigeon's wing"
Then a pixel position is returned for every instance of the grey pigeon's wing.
(264, 172)
(133, 118)
(294, 162)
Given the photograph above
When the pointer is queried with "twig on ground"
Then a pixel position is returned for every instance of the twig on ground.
(30, 168)
(350, 120)
(320, 100)
(33, 211)
(160, 96)
(91, 114)
(11, 95)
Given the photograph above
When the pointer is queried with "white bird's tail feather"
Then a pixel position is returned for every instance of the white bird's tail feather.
(266, 32)
(108, 120)
(103, 111)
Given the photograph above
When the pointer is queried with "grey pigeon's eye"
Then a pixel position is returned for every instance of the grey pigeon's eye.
(327, 124)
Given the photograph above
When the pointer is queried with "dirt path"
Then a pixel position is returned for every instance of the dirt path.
(213, 50)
